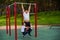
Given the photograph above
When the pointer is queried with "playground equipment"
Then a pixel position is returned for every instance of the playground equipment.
(8, 25)
(8, 20)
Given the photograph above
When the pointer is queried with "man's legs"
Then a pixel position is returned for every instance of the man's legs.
(29, 31)
(29, 26)
(25, 32)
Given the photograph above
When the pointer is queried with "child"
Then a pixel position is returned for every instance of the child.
(22, 29)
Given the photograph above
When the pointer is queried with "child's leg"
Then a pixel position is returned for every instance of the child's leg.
(22, 33)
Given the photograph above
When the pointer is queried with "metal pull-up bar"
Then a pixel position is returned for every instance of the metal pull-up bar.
(23, 3)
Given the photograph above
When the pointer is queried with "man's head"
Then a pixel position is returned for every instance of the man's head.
(26, 11)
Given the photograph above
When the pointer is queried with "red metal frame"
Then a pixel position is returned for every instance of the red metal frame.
(8, 27)
(7, 20)
(15, 21)
(35, 11)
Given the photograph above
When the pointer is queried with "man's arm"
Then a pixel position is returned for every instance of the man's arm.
(29, 8)
(22, 7)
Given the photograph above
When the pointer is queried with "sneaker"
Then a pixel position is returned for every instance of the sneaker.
(23, 36)
(29, 34)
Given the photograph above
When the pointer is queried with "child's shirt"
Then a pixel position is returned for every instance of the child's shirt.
(22, 28)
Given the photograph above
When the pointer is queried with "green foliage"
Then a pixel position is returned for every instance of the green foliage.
(47, 17)
(1, 1)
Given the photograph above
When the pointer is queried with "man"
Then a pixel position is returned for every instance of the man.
(27, 18)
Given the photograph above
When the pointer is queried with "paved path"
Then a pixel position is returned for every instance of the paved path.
(12, 27)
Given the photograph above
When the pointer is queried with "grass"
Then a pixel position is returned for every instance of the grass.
(47, 17)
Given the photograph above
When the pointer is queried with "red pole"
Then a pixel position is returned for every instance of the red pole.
(7, 20)
(15, 21)
(35, 10)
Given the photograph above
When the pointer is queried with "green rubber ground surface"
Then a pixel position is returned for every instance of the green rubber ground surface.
(44, 33)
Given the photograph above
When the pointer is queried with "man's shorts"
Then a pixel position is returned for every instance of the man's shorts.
(27, 24)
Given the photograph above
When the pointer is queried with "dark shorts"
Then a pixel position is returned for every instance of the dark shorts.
(27, 24)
